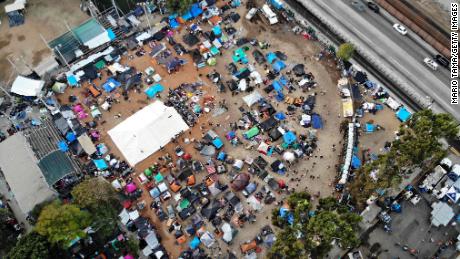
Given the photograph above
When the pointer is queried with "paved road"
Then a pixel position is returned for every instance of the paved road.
(399, 54)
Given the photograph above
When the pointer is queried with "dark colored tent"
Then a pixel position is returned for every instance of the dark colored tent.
(232, 85)
(159, 35)
(260, 162)
(356, 93)
(240, 181)
(275, 134)
(190, 39)
(211, 210)
(268, 124)
(361, 77)
(316, 121)
(243, 74)
(185, 173)
(299, 70)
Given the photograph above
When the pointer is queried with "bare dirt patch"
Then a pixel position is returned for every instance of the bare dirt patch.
(21, 37)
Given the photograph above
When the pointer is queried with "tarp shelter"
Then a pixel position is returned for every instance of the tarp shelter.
(254, 131)
(217, 142)
(111, 84)
(152, 240)
(217, 30)
(59, 87)
(403, 114)
(153, 90)
(252, 98)
(277, 4)
(147, 131)
(347, 104)
(62, 145)
(370, 127)
(87, 144)
(27, 87)
(194, 243)
(100, 164)
(277, 86)
(271, 57)
(441, 214)
(156, 50)
(207, 239)
(195, 10)
(130, 187)
(240, 181)
(279, 65)
(289, 137)
(355, 162)
(316, 121)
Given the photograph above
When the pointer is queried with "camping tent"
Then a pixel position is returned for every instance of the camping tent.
(441, 214)
(111, 84)
(153, 90)
(252, 98)
(59, 87)
(27, 87)
(403, 114)
(289, 137)
(147, 131)
(254, 131)
(279, 65)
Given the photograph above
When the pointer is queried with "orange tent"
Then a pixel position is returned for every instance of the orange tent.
(182, 239)
(248, 246)
(175, 187)
(191, 180)
(215, 20)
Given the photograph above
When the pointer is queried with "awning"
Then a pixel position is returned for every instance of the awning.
(87, 144)
(27, 87)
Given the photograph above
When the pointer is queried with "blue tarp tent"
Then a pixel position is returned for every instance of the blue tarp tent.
(196, 10)
(277, 4)
(152, 91)
(221, 156)
(173, 23)
(316, 121)
(194, 243)
(370, 127)
(280, 116)
(63, 146)
(277, 86)
(403, 114)
(289, 137)
(271, 57)
(279, 65)
(286, 214)
(100, 164)
(70, 137)
(216, 30)
(355, 162)
(187, 16)
(111, 84)
(284, 81)
(72, 80)
(217, 142)
(111, 34)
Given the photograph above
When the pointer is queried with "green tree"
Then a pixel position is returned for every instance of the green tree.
(418, 147)
(62, 223)
(313, 235)
(346, 51)
(99, 197)
(179, 6)
(31, 246)
(7, 233)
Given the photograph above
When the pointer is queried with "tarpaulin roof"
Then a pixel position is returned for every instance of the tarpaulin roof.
(355, 162)
(289, 137)
(55, 166)
(130, 187)
(271, 57)
(254, 131)
(316, 121)
(63, 146)
(187, 16)
(216, 30)
(147, 131)
(217, 143)
(194, 243)
(195, 10)
(87, 144)
(370, 127)
(277, 86)
(111, 84)
(252, 98)
(403, 114)
(27, 87)
(153, 90)
(279, 65)
(100, 164)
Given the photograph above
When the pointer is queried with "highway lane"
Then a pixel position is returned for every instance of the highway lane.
(410, 42)
(384, 48)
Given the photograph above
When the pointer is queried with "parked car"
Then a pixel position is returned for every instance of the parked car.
(443, 61)
(358, 5)
(399, 28)
(430, 63)
(251, 13)
(373, 6)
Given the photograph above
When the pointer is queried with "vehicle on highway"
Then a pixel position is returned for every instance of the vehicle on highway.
(399, 28)
(443, 61)
(358, 5)
(373, 6)
(251, 13)
(430, 63)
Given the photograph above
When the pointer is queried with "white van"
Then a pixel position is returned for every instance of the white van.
(271, 16)
(251, 13)
(430, 63)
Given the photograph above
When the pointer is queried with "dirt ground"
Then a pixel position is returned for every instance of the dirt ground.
(438, 10)
(23, 44)
(321, 164)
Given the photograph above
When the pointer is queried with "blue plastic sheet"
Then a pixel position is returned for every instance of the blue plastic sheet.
(280, 116)
(316, 121)
(153, 90)
(63, 146)
(279, 65)
(111, 84)
(100, 164)
(194, 243)
(71, 137)
(271, 57)
(355, 162)
(217, 142)
(403, 114)
(289, 137)
(196, 10)
(277, 86)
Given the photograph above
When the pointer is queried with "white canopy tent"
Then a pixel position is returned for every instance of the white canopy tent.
(441, 214)
(252, 98)
(147, 131)
(27, 87)
(87, 144)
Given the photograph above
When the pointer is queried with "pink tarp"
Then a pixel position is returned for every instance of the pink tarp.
(131, 187)
(128, 256)
(78, 108)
